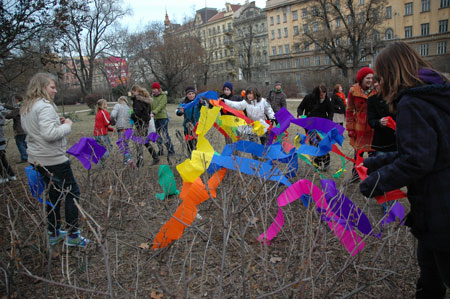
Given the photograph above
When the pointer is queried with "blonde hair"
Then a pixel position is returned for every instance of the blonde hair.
(37, 90)
(141, 90)
(398, 67)
(123, 99)
(100, 104)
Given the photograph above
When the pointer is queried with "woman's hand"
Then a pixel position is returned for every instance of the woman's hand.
(384, 121)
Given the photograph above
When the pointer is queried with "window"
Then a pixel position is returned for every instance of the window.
(214, 30)
(338, 22)
(306, 61)
(361, 2)
(223, 28)
(362, 17)
(297, 62)
(315, 26)
(286, 32)
(274, 51)
(281, 65)
(296, 30)
(264, 42)
(316, 46)
(424, 49)
(279, 33)
(278, 19)
(306, 47)
(315, 11)
(287, 49)
(273, 34)
(445, 3)
(294, 16)
(425, 29)
(408, 31)
(349, 19)
(305, 13)
(284, 17)
(327, 60)
(229, 26)
(425, 5)
(442, 47)
(443, 26)
(218, 29)
(388, 34)
(280, 50)
(408, 9)
(297, 47)
(288, 64)
(389, 12)
(317, 60)
(305, 28)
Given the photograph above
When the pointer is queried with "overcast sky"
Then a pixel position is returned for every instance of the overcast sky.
(146, 11)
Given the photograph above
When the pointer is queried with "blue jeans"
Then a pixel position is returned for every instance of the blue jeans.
(162, 128)
(22, 146)
(62, 185)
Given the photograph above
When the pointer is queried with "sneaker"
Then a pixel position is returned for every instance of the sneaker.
(79, 241)
(53, 240)
(3, 180)
(12, 178)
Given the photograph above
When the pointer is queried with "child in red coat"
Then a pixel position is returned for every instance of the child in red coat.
(102, 126)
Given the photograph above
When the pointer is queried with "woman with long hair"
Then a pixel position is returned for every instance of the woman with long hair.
(120, 116)
(338, 102)
(420, 96)
(47, 133)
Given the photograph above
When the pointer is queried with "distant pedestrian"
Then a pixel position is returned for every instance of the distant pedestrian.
(120, 117)
(19, 134)
(6, 172)
(276, 97)
(47, 153)
(191, 117)
(338, 102)
(102, 127)
(159, 113)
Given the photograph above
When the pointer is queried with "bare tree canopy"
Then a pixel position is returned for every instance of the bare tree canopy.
(344, 30)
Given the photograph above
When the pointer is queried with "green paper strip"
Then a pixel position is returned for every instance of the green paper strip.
(167, 182)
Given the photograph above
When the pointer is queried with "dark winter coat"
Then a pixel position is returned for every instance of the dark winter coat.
(14, 114)
(312, 107)
(276, 99)
(383, 137)
(338, 104)
(422, 162)
(141, 112)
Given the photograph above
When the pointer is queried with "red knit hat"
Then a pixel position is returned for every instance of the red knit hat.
(156, 85)
(362, 73)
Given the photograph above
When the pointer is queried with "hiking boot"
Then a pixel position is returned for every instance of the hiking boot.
(76, 239)
(60, 235)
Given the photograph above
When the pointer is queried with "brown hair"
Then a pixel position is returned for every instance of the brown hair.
(100, 104)
(398, 66)
(336, 87)
(320, 88)
(254, 91)
(141, 90)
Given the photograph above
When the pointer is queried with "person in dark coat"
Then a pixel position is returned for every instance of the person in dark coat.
(377, 112)
(228, 94)
(317, 104)
(338, 102)
(141, 116)
(19, 133)
(191, 117)
(421, 98)
(276, 97)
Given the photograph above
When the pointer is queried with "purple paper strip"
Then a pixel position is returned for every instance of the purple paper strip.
(87, 150)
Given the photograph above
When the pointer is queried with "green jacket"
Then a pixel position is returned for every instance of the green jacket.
(159, 106)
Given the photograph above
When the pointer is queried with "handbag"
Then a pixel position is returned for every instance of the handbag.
(151, 126)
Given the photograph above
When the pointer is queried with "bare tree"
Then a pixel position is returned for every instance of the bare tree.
(343, 30)
(86, 38)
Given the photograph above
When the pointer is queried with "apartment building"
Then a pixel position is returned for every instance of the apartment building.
(251, 44)
(422, 23)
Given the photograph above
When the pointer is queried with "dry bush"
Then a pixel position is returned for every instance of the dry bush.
(218, 256)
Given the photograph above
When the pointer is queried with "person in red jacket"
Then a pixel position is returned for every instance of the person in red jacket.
(102, 126)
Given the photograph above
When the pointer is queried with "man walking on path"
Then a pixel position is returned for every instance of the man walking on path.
(276, 97)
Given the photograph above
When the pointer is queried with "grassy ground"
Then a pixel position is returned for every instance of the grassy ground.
(217, 256)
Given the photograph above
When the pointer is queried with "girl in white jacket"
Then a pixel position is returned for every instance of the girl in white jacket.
(256, 108)
(46, 138)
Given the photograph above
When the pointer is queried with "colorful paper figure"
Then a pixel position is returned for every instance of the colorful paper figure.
(167, 182)
(87, 151)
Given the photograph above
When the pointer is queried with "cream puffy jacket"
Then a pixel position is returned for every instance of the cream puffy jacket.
(46, 136)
